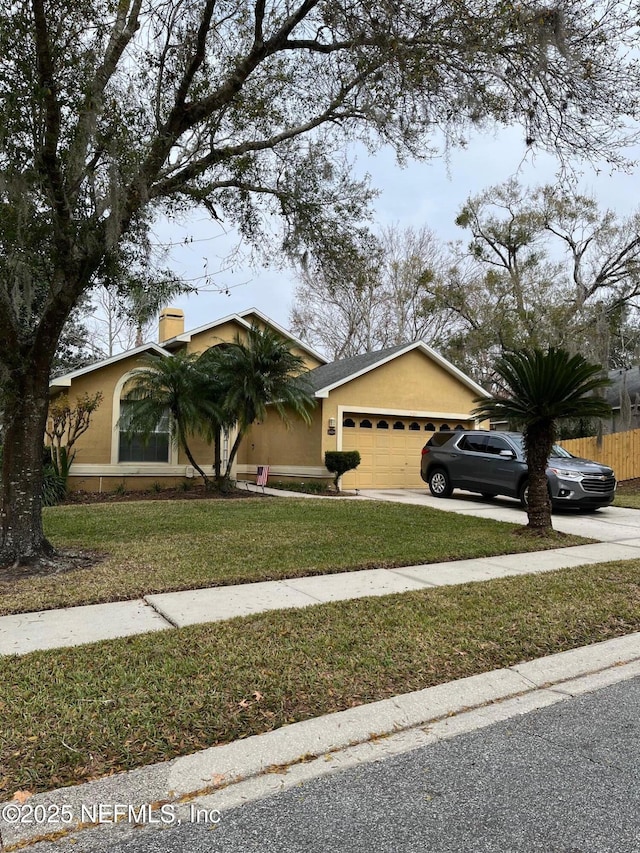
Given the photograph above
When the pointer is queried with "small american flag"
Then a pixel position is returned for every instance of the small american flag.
(262, 476)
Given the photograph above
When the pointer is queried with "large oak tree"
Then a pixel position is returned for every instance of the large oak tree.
(545, 266)
(112, 110)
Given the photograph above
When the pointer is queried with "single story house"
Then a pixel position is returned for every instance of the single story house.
(384, 404)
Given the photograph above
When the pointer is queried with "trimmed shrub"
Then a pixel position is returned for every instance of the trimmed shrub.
(311, 487)
(339, 462)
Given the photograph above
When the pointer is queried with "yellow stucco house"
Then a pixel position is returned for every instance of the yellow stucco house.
(384, 404)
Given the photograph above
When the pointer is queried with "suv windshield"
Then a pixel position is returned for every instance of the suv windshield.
(557, 452)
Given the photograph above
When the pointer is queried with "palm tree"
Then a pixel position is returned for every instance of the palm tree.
(257, 372)
(209, 393)
(538, 389)
(174, 385)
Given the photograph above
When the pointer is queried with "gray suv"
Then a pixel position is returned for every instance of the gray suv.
(494, 463)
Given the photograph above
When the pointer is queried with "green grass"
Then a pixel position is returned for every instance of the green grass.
(159, 546)
(628, 494)
(70, 715)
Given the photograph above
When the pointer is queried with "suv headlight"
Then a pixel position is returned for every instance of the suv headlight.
(567, 475)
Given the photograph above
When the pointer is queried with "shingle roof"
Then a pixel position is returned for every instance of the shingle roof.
(336, 371)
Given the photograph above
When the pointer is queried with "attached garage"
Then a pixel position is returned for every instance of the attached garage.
(389, 448)
(386, 405)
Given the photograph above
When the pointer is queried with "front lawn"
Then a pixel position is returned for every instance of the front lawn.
(172, 545)
(73, 714)
(628, 494)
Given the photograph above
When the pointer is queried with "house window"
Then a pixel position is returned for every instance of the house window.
(444, 427)
(398, 425)
(429, 428)
(382, 425)
(459, 427)
(348, 422)
(414, 425)
(134, 447)
(365, 424)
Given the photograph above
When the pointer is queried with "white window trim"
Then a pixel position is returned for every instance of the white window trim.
(135, 469)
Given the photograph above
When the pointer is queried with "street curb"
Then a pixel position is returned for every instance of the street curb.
(221, 777)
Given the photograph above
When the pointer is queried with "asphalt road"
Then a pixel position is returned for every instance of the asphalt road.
(565, 779)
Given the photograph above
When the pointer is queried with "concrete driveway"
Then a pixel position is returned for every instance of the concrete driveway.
(610, 524)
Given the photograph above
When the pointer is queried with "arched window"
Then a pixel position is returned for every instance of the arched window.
(398, 425)
(365, 424)
(459, 427)
(129, 446)
(414, 425)
(429, 428)
(137, 447)
(348, 422)
(382, 425)
(444, 427)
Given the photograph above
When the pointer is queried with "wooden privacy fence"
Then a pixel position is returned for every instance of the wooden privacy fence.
(620, 450)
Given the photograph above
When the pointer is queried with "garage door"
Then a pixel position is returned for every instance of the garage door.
(389, 449)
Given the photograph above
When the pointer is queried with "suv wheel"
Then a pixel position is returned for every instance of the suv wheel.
(439, 483)
(523, 494)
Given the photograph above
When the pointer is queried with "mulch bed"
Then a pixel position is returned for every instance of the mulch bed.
(58, 564)
(194, 494)
(630, 486)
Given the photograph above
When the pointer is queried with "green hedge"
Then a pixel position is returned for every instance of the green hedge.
(341, 461)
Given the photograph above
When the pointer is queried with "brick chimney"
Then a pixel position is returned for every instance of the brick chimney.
(171, 324)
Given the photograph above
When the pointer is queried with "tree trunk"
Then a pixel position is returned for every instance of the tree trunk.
(185, 446)
(22, 539)
(232, 455)
(539, 442)
(221, 478)
(217, 456)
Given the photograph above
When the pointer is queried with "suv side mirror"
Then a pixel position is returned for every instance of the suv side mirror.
(507, 454)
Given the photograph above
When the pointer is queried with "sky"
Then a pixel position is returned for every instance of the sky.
(420, 193)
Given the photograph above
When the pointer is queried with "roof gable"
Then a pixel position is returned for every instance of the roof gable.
(64, 381)
(243, 319)
(326, 378)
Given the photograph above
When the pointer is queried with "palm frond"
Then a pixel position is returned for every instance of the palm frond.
(258, 372)
(540, 386)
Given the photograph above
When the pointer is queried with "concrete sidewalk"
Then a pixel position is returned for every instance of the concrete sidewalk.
(48, 629)
(222, 777)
